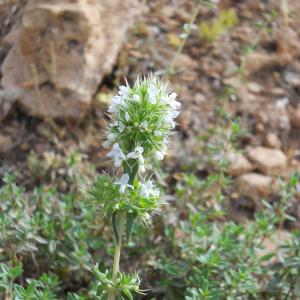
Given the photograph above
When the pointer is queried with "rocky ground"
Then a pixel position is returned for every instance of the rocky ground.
(252, 71)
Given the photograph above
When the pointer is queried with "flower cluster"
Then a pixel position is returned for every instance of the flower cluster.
(142, 119)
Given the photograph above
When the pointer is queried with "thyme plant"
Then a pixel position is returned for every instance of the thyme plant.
(142, 118)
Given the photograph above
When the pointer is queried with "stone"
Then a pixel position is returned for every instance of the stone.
(7, 100)
(5, 143)
(273, 244)
(254, 185)
(238, 164)
(61, 52)
(255, 88)
(269, 161)
(292, 78)
(255, 62)
(294, 114)
(271, 140)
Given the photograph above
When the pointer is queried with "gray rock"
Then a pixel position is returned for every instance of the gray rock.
(62, 51)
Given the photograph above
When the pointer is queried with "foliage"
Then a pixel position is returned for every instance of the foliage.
(210, 31)
(47, 231)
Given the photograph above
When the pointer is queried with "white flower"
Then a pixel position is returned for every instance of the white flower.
(121, 127)
(144, 125)
(152, 92)
(117, 155)
(124, 91)
(123, 183)
(169, 118)
(115, 104)
(171, 100)
(137, 154)
(159, 155)
(183, 35)
(127, 117)
(158, 133)
(148, 189)
(111, 137)
(136, 98)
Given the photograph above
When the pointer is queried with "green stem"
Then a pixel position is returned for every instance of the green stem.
(118, 247)
(170, 69)
(131, 171)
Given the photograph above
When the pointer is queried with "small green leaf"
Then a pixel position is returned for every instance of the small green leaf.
(114, 224)
(127, 294)
(267, 257)
(130, 223)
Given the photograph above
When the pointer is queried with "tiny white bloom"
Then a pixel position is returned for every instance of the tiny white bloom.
(158, 133)
(121, 127)
(144, 125)
(136, 98)
(115, 104)
(123, 183)
(127, 117)
(124, 91)
(170, 116)
(117, 155)
(172, 101)
(137, 154)
(183, 35)
(152, 92)
(148, 189)
(114, 124)
(159, 155)
(142, 169)
(111, 137)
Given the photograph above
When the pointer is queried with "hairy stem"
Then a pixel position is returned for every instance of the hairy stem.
(131, 170)
(170, 69)
(118, 247)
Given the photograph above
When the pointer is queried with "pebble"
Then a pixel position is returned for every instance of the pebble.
(295, 117)
(269, 161)
(5, 143)
(238, 164)
(272, 141)
(254, 185)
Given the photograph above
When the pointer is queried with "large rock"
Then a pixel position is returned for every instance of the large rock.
(268, 161)
(295, 116)
(61, 52)
(238, 164)
(255, 186)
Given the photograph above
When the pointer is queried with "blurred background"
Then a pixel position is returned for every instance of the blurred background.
(231, 175)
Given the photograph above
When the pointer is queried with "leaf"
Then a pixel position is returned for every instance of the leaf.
(114, 224)
(127, 293)
(267, 257)
(130, 223)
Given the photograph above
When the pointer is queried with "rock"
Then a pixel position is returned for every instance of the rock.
(295, 116)
(255, 186)
(292, 78)
(255, 62)
(268, 161)
(272, 141)
(62, 51)
(7, 99)
(238, 164)
(255, 88)
(273, 244)
(5, 143)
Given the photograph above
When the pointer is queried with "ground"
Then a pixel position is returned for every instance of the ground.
(250, 71)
